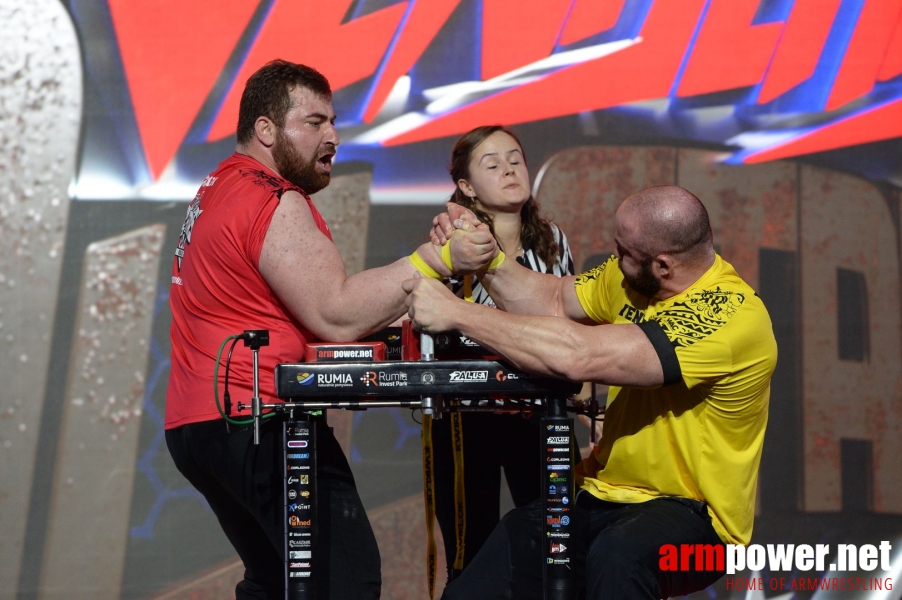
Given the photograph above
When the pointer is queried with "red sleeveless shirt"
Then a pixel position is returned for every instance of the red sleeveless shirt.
(217, 291)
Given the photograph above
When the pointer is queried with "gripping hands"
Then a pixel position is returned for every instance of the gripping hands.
(467, 244)
(461, 245)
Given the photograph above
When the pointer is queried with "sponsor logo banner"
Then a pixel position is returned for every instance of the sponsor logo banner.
(469, 376)
(334, 380)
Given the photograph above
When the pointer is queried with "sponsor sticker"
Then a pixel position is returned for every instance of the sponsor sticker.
(334, 380)
(345, 354)
(465, 341)
(469, 376)
(553, 521)
(383, 379)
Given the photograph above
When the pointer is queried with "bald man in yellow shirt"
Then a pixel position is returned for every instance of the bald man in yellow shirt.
(688, 351)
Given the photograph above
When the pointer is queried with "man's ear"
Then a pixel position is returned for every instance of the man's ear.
(662, 266)
(265, 131)
(466, 188)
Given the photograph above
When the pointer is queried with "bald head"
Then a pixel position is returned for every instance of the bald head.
(667, 220)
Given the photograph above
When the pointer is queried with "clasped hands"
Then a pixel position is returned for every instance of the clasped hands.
(471, 248)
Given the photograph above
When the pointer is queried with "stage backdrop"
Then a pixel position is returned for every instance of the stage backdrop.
(784, 117)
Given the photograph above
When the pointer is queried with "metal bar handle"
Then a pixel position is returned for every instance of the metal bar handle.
(427, 354)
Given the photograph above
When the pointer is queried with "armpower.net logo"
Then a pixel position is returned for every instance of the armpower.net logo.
(788, 565)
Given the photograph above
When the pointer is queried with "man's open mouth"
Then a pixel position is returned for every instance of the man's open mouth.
(326, 161)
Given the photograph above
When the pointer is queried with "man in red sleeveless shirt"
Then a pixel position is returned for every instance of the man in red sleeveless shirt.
(254, 253)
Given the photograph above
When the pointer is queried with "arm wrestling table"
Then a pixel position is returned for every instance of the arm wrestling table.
(430, 385)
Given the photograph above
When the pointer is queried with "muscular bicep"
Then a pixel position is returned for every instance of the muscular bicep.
(626, 355)
(300, 264)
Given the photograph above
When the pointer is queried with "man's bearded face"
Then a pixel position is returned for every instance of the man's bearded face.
(644, 281)
(300, 170)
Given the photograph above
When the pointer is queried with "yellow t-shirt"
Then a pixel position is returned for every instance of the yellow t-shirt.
(700, 437)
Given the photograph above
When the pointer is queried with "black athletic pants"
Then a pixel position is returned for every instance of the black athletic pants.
(616, 552)
(243, 484)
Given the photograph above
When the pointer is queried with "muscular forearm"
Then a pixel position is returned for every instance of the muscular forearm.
(609, 354)
(519, 290)
(541, 345)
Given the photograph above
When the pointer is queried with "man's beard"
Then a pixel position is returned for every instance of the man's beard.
(294, 168)
(644, 281)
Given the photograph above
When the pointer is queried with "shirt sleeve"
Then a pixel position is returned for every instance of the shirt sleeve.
(592, 292)
(703, 329)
